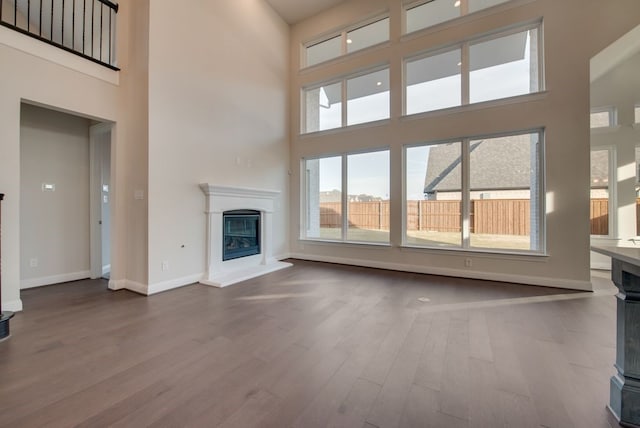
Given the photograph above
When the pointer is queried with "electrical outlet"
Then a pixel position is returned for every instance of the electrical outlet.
(468, 262)
(165, 265)
(33, 263)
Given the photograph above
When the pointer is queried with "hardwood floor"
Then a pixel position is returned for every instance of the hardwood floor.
(312, 346)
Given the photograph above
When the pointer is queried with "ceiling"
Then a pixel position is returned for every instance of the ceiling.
(294, 11)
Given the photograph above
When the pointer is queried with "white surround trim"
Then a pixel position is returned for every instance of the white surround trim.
(224, 198)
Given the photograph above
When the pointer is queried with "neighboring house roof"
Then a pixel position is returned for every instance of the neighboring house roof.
(492, 166)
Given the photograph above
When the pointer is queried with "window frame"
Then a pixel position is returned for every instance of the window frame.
(612, 222)
(344, 100)
(465, 66)
(612, 111)
(342, 33)
(465, 245)
(344, 206)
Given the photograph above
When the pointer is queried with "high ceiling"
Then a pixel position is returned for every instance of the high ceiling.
(294, 11)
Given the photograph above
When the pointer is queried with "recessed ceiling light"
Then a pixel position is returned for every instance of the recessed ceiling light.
(349, 41)
(457, 3)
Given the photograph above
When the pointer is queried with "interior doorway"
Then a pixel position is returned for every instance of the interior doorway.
(100, 196)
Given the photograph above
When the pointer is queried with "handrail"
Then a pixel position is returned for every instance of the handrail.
(83, 27)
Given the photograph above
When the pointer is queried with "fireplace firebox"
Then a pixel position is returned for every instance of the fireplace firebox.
(241, 233)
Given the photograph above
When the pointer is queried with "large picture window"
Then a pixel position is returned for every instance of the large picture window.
(477, 193)
(366, 99)
(500, 66)
(347, 197)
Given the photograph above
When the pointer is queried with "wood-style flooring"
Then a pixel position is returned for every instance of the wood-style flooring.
(315, 345)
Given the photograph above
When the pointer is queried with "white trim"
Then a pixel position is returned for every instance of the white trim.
(116, 285)
(488, 276)
(36, 48)
(600, 266)
(54, 279)
(159, 287)
(12, 306)
(136, 287)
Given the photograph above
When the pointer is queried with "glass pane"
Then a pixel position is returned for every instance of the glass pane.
(599, 192)
(504, 192)
(368, 190)
(476, 5)
(434, 82)
(323, 108)
(637, 114)
(600, 119)
(431, 13)
(434, 195)
(324, 198)
(368, 35)
(504, 67)
(368, 97)
(324, 51)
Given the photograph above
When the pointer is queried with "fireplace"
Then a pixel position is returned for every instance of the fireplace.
(241, 233)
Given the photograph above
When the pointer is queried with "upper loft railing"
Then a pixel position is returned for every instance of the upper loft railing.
(83, 27)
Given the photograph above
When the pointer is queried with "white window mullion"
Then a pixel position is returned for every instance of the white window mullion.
(465, 72)
(466, 196)
(345, 199)
(344, 103)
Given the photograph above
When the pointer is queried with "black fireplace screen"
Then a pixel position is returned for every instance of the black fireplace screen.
(241, 231)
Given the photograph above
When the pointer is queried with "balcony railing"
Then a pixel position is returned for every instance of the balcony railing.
(83, 27)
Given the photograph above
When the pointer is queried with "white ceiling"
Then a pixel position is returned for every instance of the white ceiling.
(294, 11)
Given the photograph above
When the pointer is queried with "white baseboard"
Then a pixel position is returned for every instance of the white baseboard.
(53, 279)
(12, 305)
(601, 265)
(116, 285)
(159, 287)
(488, 276)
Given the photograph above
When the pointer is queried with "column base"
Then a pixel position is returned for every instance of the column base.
(624, 401)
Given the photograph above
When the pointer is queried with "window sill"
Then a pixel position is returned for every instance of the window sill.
(354, 244)
(605, 129)
(344, 58)
(375, 123)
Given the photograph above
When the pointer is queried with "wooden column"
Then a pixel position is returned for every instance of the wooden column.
(4, 316)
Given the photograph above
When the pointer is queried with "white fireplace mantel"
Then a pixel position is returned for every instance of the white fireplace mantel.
(223, 198)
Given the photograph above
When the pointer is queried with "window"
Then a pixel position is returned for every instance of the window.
(637, 114)
(600, 160)
(603, 117)
(353, 209)
(434, 82)
(501, 66)
(504, 67)
(347, 41)
(478, 193)
(366, 99)
(426, 14)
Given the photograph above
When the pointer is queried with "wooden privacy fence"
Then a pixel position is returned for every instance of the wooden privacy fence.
(490, 216)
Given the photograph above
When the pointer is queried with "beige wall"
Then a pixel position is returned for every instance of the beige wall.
(218, 113)
(574, 31)
(54, 226)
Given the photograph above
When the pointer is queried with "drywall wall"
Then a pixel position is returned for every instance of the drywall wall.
(39, 74)
(619, 88)
(218, 113)
(54, 222)
(574, 31)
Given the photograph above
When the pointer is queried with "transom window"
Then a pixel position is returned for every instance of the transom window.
(425, 14)
(366, 97)
(346, 42)
(476, 193)
(500, 66)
